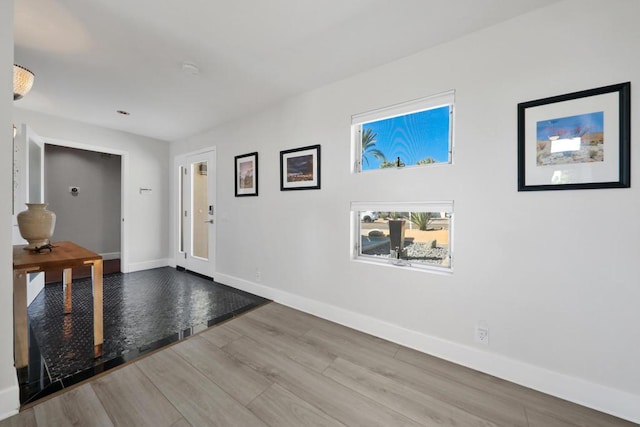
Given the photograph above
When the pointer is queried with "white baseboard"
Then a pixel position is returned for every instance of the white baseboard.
(9, 401)
(145, 265)
(596, 396)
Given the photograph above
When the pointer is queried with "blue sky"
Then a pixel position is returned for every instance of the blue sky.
(413, 137)
(570, 127)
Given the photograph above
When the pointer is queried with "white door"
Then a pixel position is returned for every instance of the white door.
(28, 172)
(28, 187)
(197, 228)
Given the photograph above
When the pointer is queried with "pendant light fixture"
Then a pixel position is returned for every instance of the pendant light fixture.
(22, 81)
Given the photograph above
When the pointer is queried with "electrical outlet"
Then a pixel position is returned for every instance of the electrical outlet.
(482, 333)
(258, 275)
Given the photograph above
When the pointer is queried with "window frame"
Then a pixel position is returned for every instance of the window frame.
(446, 206)
(397, 110)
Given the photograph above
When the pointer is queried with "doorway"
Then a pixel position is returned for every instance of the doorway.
(196, 246)
(108, 193)
(83, 187)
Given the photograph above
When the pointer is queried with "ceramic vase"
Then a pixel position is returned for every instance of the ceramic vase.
(36, 225)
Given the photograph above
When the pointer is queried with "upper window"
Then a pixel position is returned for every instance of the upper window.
(414, 133)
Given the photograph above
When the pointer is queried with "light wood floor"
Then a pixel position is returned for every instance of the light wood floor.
(279, 367)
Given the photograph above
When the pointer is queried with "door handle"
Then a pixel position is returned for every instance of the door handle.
(209, 221)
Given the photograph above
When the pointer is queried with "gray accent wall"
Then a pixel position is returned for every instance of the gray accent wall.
(92, 216)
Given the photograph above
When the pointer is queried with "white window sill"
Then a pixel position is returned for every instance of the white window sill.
(405, 265)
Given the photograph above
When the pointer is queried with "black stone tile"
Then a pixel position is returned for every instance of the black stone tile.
(143, 311)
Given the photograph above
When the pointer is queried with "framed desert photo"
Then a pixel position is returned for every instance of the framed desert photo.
(246, 174)
(580, 140)
(300, 168)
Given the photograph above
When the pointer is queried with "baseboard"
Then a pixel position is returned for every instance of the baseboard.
(9, 401)
(145, 265)
(110, 255)
(596, 396)
(251, 287)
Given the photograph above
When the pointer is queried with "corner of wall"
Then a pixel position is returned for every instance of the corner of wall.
(9, 402)
(9, 390)
(146, 265)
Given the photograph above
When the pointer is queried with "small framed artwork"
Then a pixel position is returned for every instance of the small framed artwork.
(579, 140)
(300, 168)
(246, 174)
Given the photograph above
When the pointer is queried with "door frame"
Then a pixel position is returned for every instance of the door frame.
(124, 181)
(182, 160)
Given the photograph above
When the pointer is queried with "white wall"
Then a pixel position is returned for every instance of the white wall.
(9, 402)
(145, 164)
(554, 274)
(91, 217)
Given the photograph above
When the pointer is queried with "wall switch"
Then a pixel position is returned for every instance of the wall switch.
(258, 275)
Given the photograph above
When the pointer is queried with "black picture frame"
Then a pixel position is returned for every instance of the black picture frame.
(580, 140)
(246, 175)
(300, 168)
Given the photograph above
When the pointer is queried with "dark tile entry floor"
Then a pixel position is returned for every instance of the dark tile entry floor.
(143, 311)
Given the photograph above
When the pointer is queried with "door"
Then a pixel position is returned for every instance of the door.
(28, 173)
(28, 187)
(196, 195)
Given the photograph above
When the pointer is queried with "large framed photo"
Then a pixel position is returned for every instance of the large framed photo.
(300, 168)
(580, 140)
(246, 174)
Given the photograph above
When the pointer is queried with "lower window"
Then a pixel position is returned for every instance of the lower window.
(416, 234)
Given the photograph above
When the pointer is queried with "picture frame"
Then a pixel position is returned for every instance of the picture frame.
(246, 175)
(579, 140)
(300, 168)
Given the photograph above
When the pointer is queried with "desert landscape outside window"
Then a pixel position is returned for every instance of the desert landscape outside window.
(405, 234)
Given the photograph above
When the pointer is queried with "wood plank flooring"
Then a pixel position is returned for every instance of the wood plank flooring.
(276, 366)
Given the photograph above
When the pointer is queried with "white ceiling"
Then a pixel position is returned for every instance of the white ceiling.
(93, 57)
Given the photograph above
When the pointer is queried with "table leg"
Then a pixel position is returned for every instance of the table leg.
(20, 332)
(96, 270)
(66, 286)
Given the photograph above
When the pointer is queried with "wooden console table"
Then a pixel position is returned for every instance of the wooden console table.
(64, 256)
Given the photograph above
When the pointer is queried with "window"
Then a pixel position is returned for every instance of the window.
(414, 133)
(418, 235)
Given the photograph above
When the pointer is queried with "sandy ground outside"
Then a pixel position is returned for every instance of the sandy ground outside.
(440, 235)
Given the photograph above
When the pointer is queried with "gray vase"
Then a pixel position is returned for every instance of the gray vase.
(396, 236)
